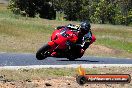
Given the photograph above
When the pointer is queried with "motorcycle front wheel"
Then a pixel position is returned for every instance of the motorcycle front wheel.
(43, 52)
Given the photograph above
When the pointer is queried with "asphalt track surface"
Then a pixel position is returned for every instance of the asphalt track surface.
(27, 59)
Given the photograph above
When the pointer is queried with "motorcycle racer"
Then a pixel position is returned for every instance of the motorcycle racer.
(85, 37)
(69, 42)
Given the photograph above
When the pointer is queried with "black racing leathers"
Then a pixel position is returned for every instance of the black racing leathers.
(84, 40)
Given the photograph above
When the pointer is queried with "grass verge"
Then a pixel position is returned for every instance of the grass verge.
(30, 74)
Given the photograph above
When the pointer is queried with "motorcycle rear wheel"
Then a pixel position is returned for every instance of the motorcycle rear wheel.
(71, 58)
(43, 52)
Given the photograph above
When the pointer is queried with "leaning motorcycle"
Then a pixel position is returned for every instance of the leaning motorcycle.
(62, 42)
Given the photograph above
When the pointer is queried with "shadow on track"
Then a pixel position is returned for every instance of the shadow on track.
(80, 60)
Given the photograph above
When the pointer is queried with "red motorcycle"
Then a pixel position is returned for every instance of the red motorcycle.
(62, 42)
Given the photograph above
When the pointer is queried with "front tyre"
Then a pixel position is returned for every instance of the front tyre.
(43, 52)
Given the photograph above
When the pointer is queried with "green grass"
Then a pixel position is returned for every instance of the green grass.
(116, 44)
(25, 74)
(120, 39)
(24, 34)
(31, 74)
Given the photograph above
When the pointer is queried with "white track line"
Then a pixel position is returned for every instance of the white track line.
(66, 66)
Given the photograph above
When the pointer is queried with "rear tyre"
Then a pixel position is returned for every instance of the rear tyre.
(71, 58)
(43, 52)
(74, 53)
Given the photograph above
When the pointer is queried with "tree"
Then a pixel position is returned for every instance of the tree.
(72, 9)
(32, 7)
(97, 11)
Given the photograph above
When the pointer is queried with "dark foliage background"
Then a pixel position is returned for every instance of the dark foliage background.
(97, 11)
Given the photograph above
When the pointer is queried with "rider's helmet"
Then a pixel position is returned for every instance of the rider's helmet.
(85, 27)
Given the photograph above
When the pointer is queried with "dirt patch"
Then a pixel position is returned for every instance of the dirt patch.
(102, 49)
(99, 50)
(4, 2)
(64, 82)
